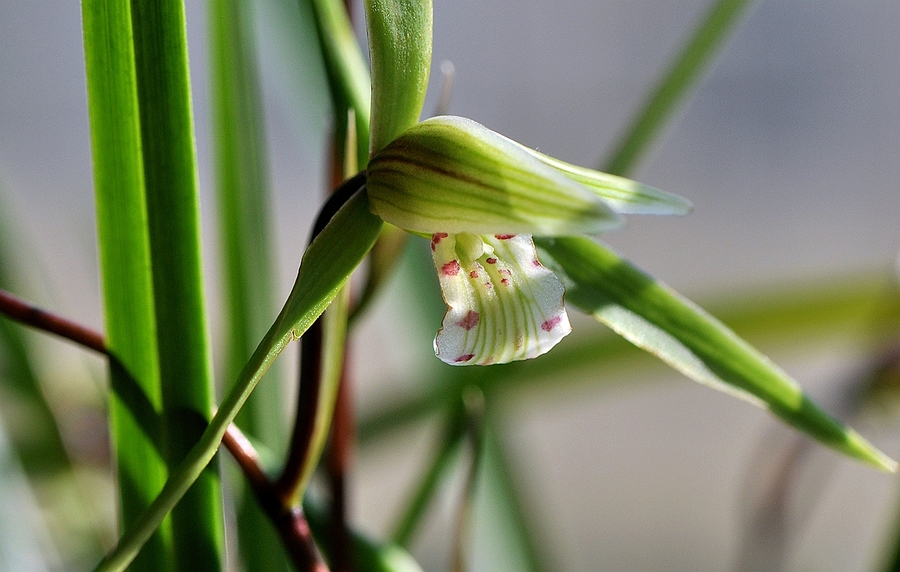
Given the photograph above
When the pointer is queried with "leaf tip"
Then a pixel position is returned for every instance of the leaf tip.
(860, 448)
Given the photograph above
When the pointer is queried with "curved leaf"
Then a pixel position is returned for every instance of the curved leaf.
(659, 320)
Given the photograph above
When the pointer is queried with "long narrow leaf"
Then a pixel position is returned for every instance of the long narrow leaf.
(325, 268)
(801, 313)
(438, 467)
(244, 219)
(653, 317)
(681, 77)
(136, 397)
(505, 532)
(347, 72)
(170, 176)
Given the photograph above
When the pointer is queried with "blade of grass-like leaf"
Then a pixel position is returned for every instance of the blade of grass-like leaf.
(325, 268)
(243, 201)
(500, 520)
(347, 72)
(655, 318)
(170, 178)
(243, 198)
(683, 74)
(437, 469)
(136, 396)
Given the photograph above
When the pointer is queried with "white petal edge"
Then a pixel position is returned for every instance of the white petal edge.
(502, 306)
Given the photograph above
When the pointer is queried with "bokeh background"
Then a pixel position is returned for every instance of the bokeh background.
(788, 149)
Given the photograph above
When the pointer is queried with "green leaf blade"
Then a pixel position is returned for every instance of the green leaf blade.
(244, 233)
(170, 175)
(123, 241)
(654, 317)
(682, 75)
(400, 50)
(347, 72)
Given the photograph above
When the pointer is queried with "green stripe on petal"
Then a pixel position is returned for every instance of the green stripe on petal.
(623, 195)
(453, 175)
(502, 304)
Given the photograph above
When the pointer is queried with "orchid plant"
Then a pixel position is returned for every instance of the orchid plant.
(513, 239)
(480, 198)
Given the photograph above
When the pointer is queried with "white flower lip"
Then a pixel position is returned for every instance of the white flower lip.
(502, 305)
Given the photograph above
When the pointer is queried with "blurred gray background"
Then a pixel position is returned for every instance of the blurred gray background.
(789, 151)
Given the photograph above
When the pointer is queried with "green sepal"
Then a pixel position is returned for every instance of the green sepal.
(400, 52)
(655, 318)
(622, 195)
(450, 174)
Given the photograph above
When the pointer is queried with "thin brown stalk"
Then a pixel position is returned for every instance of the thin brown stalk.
(290, 522)
(338, 459)
(30, 315)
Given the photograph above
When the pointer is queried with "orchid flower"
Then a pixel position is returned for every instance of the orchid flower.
(479, 197)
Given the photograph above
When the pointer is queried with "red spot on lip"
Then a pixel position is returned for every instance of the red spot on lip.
(536, 262)
(464, 357)
(505, 281)
(451, 268)
(469, 321)
(491, 260)
(551, 323)
(436, 238)
(504, 236)
(473, 274)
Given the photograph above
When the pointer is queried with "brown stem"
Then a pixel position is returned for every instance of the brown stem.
(289, 521)
(339, 453)
(31, 315)
(307, 409)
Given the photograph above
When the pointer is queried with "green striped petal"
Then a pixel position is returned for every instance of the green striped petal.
(620, 194)
(502, 304)
(453, 175)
